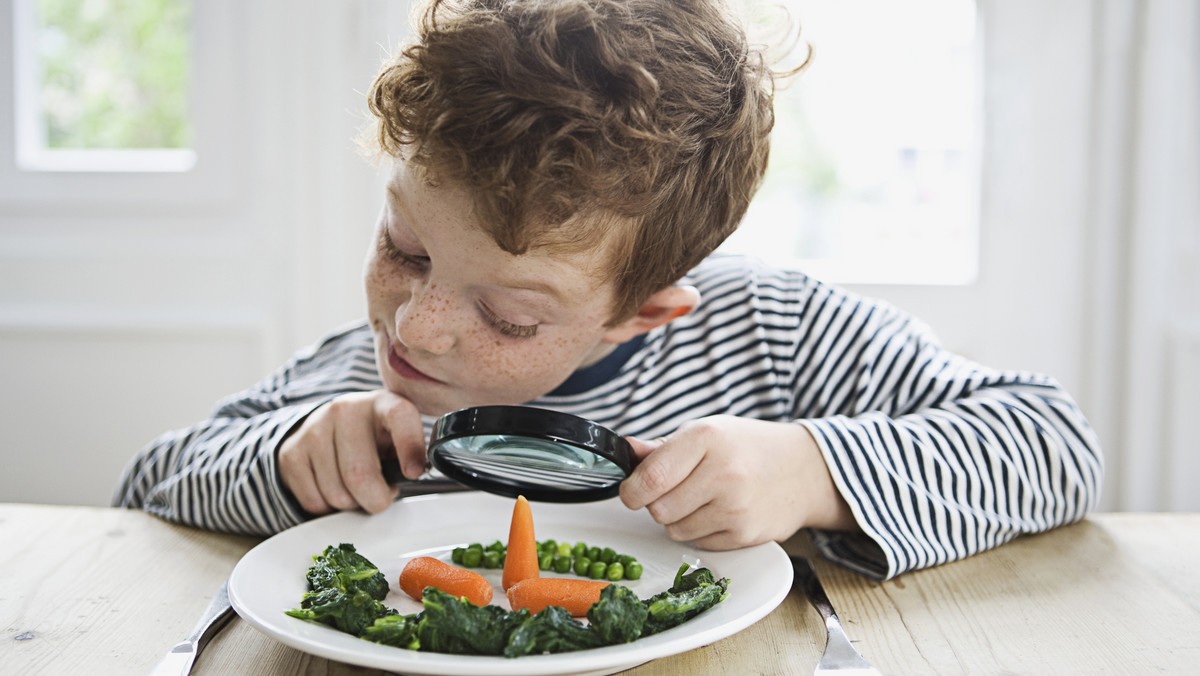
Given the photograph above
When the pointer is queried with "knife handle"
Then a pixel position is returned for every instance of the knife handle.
(807, 578)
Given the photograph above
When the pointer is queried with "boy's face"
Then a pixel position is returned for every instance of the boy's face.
(460, 322)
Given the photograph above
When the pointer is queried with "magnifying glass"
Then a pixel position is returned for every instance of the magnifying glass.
(520, 450)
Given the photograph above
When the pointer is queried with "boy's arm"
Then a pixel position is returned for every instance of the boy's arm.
(939, 458)
(222, 473)
(219, 474)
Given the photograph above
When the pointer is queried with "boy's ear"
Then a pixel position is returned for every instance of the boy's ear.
(665, 305)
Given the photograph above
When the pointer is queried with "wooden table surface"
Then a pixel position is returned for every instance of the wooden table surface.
(108, 591)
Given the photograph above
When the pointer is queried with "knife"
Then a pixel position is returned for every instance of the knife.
(178, 662)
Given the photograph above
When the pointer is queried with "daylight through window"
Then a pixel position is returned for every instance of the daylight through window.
(875, 154)
(103, 85)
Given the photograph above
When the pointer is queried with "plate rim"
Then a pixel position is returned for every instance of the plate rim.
(606, 659)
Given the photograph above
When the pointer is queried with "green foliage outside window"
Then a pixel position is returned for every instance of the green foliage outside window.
(114, 74)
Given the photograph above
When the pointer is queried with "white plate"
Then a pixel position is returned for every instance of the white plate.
(270, 579)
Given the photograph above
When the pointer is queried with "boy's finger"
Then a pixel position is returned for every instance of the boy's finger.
(358, 464)
(400, 427)
(643, 448)
(659, 472)
(296, 472)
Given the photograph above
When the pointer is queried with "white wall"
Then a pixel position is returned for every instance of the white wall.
(129, 304)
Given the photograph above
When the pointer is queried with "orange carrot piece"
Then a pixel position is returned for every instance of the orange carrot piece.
(521, 559)
(426, 571)
(535, 594)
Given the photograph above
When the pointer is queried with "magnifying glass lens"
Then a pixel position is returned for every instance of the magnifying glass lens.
(543, 455)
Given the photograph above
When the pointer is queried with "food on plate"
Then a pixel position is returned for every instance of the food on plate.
(426, 571)
(521, 561)
(343, 588)
(537, 593)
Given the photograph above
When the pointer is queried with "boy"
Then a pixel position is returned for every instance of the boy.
(561, 173)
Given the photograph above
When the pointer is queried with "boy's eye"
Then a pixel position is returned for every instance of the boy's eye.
(395, 254)
(506, 327)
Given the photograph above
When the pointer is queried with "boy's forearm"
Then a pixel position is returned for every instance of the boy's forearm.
(962, 477)
(220, 474)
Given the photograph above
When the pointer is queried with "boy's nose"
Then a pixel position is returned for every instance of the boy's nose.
(423, 323)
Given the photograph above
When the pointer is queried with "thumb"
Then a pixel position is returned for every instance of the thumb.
(643, 448)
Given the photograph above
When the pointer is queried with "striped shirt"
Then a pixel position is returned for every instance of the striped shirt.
(937, 456)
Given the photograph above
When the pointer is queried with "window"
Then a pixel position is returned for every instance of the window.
(875, 157)
(103, 85)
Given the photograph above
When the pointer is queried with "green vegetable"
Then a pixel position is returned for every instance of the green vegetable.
(619, 615)
(395, 630)
(472, 557)
(562, 564)
(491, 559)
(581, 566)
(345, 591)
(344, 568)
(349, 612)
(691, 595)
(453, 625)
(545, 561)
(551, 631)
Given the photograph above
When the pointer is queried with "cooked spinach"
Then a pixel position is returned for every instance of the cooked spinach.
(455, 625)
(551, 631)
(346, 591)
(618, 616)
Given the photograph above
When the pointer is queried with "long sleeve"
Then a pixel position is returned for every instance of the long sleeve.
(938, 457)
(221, 474)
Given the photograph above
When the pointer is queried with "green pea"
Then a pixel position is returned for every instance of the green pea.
(456, 555)
(491, 559)
(562, 564)
(625, 559)
(580, 549)
(472, 557)
(549, 546)
(615, 571)
(633, 571)
(597, 570)
(582, 564)
(593, 553)
(564, 549)
(496, 546)
(608, 554)
(545, 560)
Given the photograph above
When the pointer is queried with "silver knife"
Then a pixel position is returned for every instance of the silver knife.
(179, 661)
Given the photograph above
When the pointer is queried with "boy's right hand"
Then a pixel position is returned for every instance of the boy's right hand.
(332, 460)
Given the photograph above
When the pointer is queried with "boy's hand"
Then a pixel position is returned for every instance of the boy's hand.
(726, 482)
(332, 460)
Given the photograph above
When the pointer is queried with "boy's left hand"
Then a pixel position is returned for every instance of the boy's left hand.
(725, 482)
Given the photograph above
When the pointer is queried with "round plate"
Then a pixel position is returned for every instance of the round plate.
(270, 579)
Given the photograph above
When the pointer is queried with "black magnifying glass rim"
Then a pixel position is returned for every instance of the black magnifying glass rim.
(533, 423)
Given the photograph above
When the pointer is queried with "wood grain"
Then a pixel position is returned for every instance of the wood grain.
(108, 591)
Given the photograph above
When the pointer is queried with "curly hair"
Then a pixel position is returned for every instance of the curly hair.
(638, 125)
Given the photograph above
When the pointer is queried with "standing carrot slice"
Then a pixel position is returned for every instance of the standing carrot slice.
(426, 571)
(521, 561)
(573, 594)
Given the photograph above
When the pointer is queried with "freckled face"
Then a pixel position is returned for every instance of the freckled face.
(460, 322)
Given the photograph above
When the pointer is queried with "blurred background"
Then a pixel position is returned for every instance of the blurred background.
(183, 205)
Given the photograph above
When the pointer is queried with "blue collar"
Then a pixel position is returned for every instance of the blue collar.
(602, 371)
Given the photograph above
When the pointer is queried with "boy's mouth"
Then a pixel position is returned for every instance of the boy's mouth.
(404, 369)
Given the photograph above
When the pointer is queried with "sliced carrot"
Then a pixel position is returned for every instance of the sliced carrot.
(521, 560)
(535, 594)
(426, 571)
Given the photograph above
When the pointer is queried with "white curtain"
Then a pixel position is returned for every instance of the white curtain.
(1145, 271)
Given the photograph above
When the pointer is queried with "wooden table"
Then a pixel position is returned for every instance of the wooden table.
(108, 591)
